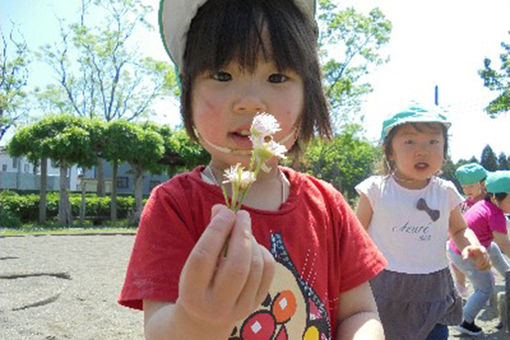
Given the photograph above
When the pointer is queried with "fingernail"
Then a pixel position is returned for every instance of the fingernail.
(245, 217)
(215, 209)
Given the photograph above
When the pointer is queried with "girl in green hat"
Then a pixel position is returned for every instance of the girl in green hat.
(471, 177)
(409, 212)
(487, 220)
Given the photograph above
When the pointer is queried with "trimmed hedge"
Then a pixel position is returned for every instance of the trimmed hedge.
(26, 207)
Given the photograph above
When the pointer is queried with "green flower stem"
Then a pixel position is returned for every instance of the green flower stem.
(235, 203)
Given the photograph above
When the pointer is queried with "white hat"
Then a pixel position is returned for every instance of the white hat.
(175, 17)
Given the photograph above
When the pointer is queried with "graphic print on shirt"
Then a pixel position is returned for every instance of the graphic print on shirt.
(291, 310)
(419, 231)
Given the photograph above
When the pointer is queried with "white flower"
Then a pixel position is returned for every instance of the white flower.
(263, 127)
(238, 177)
(268, 150)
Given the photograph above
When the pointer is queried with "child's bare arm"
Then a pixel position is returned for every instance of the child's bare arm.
(215, 291)
(466, 241)
(364, 211)
(357, 315)
(502, 241)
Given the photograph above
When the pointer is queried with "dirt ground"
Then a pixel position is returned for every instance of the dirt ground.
(65, 287)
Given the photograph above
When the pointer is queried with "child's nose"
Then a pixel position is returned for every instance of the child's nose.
(249, 100)
(423, 148)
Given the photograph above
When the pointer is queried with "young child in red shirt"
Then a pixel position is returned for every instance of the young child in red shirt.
(298, 261)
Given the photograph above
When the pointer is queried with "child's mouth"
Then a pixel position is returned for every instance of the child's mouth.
(241, 139)
(421, 166)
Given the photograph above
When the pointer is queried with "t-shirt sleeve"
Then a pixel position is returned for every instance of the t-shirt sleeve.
(498, 223)
(454, 197)
(162, 245)
(370, 187)
(359, 259)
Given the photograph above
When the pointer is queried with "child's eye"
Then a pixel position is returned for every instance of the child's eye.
(278, 78)
(409, 141)
(222, 76)
(434, 141)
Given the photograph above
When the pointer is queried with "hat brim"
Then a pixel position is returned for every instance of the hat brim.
(175, 16)
(413, 120)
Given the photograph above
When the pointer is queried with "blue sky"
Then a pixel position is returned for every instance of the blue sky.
(433, 43)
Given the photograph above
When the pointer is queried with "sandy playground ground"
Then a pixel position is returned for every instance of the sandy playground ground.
(65, 287)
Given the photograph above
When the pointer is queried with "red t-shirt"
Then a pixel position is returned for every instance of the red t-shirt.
(320, 248)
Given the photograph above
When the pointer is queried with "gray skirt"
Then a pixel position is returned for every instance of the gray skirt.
(410, 305)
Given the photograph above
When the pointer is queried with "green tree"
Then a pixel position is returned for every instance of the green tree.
(68, 141)
(181, 154)
(448, 171)
(350, 44)
(488, 159)
(344, 162)
(498, 81)
(27, 142)
(100, 75)
(503, 162)
(144, 148)
(118, 135)
(14, 62)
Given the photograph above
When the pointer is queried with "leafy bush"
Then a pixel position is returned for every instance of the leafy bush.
(26, 207)
(9, 220)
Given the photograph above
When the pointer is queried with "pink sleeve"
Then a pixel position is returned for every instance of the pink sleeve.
(497, 222)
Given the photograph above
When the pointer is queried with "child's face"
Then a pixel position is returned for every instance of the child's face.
(225, 102)
(417, 153)
(472, 190)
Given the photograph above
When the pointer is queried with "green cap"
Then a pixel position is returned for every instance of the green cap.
(498, 182)
(413, 114)
(471, 173)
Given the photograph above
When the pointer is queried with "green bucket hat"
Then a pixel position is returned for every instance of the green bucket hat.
(498, 182)
(413, 114)
(470, 173)
(175, 17)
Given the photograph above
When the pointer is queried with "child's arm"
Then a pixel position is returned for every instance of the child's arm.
(357, 315)
(466, 241)
(214, 291)
(502, 241)
(364, 211)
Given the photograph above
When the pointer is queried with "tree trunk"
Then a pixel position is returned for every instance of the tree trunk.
(64, 208)
(43, 190)
(113, 202)
(100, 177)
(83, 204)
(138, 173)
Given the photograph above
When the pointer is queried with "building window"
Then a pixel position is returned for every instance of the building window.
(122, 182)
(26, 168)
(15, 162)
(4, 167)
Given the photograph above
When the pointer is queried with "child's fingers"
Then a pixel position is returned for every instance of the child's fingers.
(235, 267)
(202, 261)
(267, 275)
(248, 296)
(470, 252)
(478, 255)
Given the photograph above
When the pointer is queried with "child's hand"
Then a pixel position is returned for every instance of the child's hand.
(479, 256)
(216, 290)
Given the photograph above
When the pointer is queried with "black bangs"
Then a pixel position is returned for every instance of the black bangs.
(231, 30)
